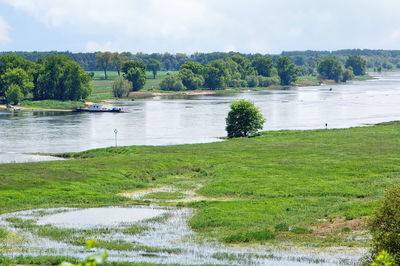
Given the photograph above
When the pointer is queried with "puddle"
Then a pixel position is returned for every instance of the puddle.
(99, 217)
(12, 157)
(148, 234)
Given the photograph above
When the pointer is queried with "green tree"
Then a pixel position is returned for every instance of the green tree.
(133, 64)
(330, 68)
(104, 60)
(263, 65)
(243, 119)
(385, 225)
(213, 78)
(117, 61)
(348, 74)
(172, 83)
(137, 77)
(358, 63)
(121, 87)
(154, 65)
(19, 77)
(190, 80)
(287, 71)
(61, 78)
(196, 68)
(12, 61)
(14, 94)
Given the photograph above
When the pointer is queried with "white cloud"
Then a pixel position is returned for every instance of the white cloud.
(219, 25)
(4, 32)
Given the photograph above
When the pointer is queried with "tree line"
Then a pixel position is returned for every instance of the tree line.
(306, 60)
(56, 77)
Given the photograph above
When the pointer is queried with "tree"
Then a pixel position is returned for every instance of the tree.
(19, 77)
(287, 71)
(190, 80)
(104, 60)
(172, 83)
(117, 61)
(121, 87)
(137, 77)
(358, 63)
(133, 64)
(348, 74)
(213, 78)
(385, 225)
(14, 94)
(243, 119)
(154, 66)
(330, 68)
(263, 65)
(61, 78)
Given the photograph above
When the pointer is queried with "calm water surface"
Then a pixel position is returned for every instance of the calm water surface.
(199, 119)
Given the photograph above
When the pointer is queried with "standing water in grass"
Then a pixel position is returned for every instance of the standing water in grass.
(198, 119)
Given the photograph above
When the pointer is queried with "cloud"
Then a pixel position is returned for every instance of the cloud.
(264, 26)
(4, 32)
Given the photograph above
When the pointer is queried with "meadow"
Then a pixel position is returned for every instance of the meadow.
(314, 187)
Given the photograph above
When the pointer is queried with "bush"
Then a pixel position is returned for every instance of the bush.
(243, 119)
(121, 87)
(384, 259)
(14, 94)
(172, 83)
(385, 225)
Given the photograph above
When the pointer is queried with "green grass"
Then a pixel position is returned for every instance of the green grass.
(52, 104)
(277, 181)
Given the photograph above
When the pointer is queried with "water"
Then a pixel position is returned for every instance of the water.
(169, 232)
(199, 119)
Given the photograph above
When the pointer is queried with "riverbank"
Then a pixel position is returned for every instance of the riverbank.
(315, 187)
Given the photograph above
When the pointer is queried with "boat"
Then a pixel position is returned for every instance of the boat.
(98, 108)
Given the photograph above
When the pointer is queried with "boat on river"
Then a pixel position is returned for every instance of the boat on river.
(98, 108)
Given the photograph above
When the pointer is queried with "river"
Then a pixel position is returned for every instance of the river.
(198, 119)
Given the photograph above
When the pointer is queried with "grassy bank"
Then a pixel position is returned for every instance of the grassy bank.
(52, 104)
(279, 186)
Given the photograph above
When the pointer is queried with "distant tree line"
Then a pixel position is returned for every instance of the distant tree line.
(56, 77)
(305, 60)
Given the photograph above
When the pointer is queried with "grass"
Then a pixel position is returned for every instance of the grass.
(52, 104)
(267, 185)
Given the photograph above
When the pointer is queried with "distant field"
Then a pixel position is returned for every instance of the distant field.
(102, 88)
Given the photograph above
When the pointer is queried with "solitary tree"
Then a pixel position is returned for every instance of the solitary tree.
(243, 119)
(287, 71)
(104, 60)
(154, 66)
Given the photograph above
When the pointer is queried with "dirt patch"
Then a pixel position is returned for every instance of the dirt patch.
(338, 225)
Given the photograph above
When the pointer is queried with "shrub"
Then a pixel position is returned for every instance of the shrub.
(172, 83)
(243, 119)
(121, 87)
(384, 259)
(385, 225)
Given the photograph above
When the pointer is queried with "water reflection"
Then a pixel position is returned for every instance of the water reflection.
(197, 119)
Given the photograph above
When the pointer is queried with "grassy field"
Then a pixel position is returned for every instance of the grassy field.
(102, 88)
(276, 187)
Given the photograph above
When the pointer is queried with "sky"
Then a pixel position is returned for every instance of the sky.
(188, 26)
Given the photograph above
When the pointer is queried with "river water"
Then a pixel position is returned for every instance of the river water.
(199, 119)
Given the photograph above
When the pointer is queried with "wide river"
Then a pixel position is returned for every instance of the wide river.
(199, 119)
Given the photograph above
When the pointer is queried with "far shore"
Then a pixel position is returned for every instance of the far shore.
(148, 95)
